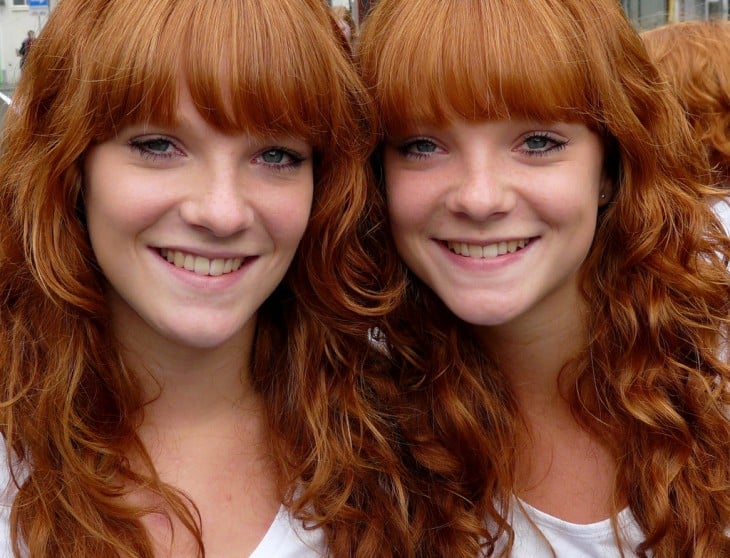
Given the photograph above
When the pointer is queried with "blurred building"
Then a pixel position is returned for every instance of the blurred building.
(645, 14)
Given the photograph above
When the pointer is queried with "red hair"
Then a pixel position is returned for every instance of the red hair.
(67, 398)
(651, 381)
(694, 56)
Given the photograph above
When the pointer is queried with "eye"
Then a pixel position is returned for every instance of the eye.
(537, 142)
(541, 143)
(155, 148)
(274, 156)
(420, 148)
(279, 158)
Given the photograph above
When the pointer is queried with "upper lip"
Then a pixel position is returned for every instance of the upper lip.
(205, 253)
(481, 242)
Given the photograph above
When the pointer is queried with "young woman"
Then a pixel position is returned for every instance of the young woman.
(186, 289)
(694, 56)
(559, 343)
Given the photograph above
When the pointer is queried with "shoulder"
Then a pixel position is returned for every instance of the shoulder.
(289, 538)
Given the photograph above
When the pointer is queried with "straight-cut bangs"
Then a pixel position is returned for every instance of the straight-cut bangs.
(435, 61)
(265, 68)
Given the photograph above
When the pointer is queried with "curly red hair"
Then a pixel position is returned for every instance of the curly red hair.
(67, 399)
(651, 381)
(694, 56)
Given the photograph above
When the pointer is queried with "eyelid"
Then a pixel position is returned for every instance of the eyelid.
(558, 142)
(553, 136)
(403, 147)
(296, 158)
(139, 144)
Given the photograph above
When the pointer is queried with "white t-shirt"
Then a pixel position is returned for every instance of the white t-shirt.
(722, 210)
(286, 538)
(571, 540)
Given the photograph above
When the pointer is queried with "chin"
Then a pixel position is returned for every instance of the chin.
(202, 339)
(483, 315)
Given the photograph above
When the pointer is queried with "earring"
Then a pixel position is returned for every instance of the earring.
(603, 196)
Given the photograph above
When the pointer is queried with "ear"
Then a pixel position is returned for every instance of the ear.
(605, 192)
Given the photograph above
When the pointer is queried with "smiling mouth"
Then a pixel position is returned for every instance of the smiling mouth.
(200, 265)
(477, 251)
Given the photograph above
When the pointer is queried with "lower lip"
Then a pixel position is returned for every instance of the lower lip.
(497, 262)
(207, 282)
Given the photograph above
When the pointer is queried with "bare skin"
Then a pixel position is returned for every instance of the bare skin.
(205, 432)
(562, 469)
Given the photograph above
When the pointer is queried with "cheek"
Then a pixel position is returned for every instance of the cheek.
(287, 215)
(570, 201)
(111, 208)
(407, 203)
(403, 217)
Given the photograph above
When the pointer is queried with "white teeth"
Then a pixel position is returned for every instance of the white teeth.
(491, 251)
(475, 251)
(217, 266)
(200, 265)
(478, 251)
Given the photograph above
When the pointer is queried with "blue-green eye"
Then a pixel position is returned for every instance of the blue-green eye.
(423, 146)
(418, 148)
(154, 148)
(537, 142)
(279, 158)
(541, 143)
(273, 156)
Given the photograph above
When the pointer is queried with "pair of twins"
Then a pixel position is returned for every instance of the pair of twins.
(459, 295)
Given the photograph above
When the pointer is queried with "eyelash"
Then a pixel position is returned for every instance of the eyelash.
(296, 159)
(557, 144)
(142, 146)
(405, 149)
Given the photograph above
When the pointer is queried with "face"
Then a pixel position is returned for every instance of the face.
(193, 228)
(496, 217)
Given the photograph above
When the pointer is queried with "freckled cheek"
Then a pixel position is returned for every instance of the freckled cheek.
(577, 206)
(122, 199)
(287, 217)
(410, 206)
(129, 211)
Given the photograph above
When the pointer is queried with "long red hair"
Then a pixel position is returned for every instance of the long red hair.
(67, 399)
(651, 380)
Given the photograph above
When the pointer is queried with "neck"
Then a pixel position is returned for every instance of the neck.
(532, 351)
(185, 387)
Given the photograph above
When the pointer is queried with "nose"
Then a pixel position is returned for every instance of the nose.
(481, 192)
(219, 201)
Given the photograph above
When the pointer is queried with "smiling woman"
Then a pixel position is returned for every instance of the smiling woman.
(560, 341)
(188, 287)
